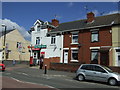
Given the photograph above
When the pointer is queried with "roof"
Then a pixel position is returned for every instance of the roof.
(3, 33)
(82, 24)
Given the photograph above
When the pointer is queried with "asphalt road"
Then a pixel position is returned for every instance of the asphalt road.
(53, 79)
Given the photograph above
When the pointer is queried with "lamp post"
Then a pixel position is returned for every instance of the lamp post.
(4, 46)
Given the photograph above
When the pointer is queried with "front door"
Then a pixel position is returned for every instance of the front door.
(66, 56)
(104, 58)
(118, 60)
(118, 57)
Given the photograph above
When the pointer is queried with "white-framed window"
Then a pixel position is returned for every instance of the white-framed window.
(94, 55)
(74, 55)
(53, 39)
(94, 36)
(37, 40)
(38, 28)
(74, 38)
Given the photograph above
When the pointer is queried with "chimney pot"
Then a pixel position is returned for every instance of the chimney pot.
(55, 22)
(90, 17)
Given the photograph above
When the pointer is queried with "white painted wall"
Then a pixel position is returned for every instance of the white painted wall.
(0, 56)
(50, 51)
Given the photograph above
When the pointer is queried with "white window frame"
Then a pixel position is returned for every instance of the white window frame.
(73, 60)
(74, 35)
(37, 38)
(94, 51)
(94, 33)
(53, 40)
(38, 28)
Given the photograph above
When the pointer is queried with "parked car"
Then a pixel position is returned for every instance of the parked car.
(2, 67)
(97, 72)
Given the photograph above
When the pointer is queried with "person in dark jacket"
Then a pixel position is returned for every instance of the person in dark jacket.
(41, 61)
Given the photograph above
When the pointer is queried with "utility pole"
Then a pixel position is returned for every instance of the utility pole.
(4, 46)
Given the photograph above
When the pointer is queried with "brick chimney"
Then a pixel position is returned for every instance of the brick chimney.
(55, 22)
(90, 17)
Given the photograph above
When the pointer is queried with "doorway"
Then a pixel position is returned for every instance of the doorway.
(66, 56)
(104, 58)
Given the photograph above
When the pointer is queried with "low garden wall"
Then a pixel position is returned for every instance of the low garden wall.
(72, 67)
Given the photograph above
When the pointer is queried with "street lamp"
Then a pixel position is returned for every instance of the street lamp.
(3, 25)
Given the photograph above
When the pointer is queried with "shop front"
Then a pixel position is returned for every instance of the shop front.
(35, 54)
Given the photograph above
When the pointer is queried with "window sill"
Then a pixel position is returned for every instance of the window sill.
(74, 61)
(94, 41)
(74, 43)
(52, 45)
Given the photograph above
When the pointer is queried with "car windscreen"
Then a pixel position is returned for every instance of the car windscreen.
(108, 69)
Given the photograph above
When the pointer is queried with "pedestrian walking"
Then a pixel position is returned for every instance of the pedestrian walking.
(41, 61)
(14, 62)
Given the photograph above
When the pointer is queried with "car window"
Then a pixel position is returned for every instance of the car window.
(108, 69)
(83, 67)
(87, 67)
(99, 69)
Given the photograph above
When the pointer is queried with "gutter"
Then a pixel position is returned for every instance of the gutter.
(79, 29)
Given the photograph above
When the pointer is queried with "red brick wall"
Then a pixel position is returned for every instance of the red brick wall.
(47, 61)
(105, 39)
(64, 67)
(115, 69)
(73, 67)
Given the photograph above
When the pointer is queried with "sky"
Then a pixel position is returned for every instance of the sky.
(24, 14)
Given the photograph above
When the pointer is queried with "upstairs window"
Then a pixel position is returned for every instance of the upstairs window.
(37, 40)
(75, 38)
(94, 36)
(38, 28)
(53, 38)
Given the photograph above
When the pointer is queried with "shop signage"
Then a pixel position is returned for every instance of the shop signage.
(40, 46)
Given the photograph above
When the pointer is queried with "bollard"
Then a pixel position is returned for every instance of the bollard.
(45, 69)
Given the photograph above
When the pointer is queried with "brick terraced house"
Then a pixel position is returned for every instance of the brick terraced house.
(91, 40)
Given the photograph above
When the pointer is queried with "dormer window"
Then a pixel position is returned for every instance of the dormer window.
(38, 28)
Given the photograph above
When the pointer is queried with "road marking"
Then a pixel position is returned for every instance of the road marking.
(16, 80)
(25, 74)
(34, 83)
(7, 73)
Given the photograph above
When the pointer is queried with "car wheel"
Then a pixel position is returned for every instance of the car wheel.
(112, 81)
(81, 77)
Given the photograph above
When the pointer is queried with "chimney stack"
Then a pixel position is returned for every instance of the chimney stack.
(90, 17)
(55, 22)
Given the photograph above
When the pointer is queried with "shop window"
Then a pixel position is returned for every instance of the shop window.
(35, 55)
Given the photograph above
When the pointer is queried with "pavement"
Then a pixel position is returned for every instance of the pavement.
(55, 72)
(37, 71)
